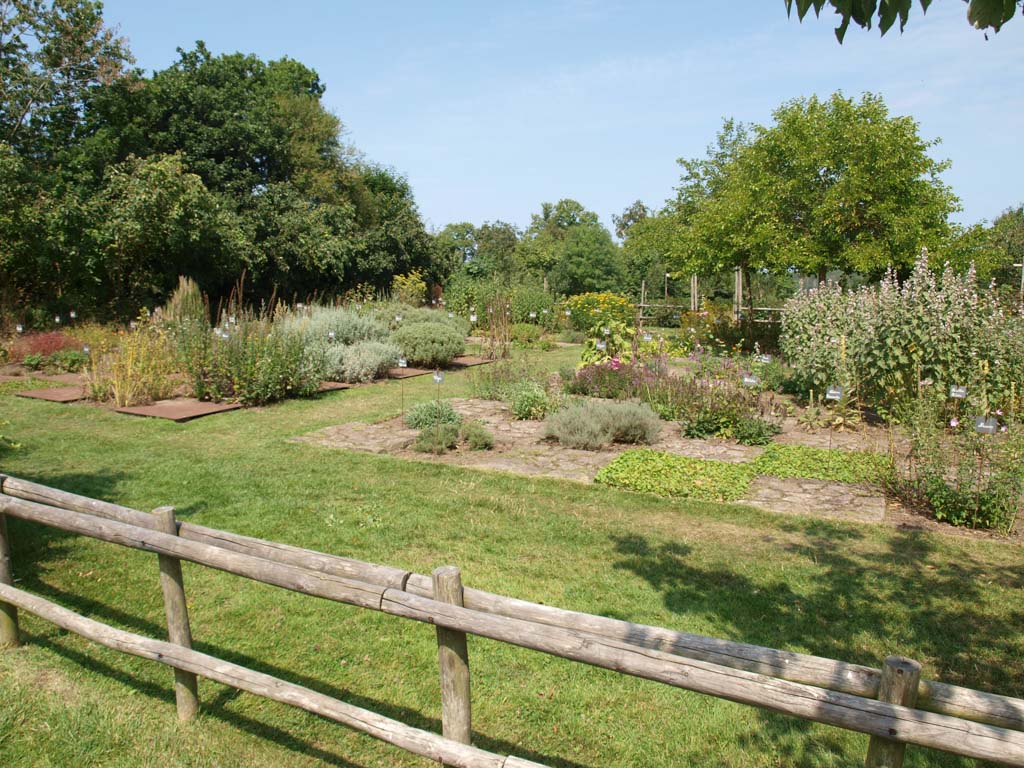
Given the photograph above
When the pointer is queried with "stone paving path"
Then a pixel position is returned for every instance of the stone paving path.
(520, 448)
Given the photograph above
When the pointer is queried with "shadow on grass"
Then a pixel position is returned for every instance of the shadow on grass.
(217, 706)
(213, 708)
(845, 602)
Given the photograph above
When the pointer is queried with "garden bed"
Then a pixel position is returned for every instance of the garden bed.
(521, 448)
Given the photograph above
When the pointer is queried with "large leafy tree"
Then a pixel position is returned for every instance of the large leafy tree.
(451, 249)
(152, 221)
(588, 260)
(837, 184)
(981, 14)
(495, 253)
(567, 245)
(112, 183)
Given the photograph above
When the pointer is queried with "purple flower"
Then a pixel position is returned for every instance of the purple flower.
(954, 422)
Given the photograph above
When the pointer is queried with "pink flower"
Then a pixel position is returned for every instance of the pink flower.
(954, 422)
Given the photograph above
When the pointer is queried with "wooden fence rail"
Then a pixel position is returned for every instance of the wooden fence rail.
(855, 679)
(962, 721)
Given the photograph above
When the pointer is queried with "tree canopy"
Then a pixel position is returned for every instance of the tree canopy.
(981, 14)
(114, 183)
(833, 184)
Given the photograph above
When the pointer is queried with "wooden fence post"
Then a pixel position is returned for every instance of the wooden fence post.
(186, 686)
(900, 678)
(8, 613)
(453, 660)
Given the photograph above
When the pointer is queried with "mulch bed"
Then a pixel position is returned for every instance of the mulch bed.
(56, 394)
(180, 409)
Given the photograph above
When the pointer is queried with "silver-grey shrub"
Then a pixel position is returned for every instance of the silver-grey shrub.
(368, 360)
(593, 424)
(317, 323)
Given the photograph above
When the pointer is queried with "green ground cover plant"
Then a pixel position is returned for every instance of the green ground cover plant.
(666, 474)
(824, 587)
(840, 466)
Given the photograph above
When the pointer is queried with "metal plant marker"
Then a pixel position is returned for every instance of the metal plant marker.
(834, 393)
(986, 425)
(472, 318)
(764, 359)
(648, 337)
(958, 392)
(751, 381)
(606, 331)
(602, 345)
(403, 363)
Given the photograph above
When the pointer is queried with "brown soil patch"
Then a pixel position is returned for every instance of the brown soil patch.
(520, 448)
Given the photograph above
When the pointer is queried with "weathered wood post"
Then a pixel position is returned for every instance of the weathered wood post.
(694, 294)
(900, 678)
(8, 613)
(453, 660)
(186, 686)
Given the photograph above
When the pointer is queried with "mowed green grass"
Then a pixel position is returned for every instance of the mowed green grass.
(850, 592)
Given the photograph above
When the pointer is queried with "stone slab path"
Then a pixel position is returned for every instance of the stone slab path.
(818, 498)
(520, 448)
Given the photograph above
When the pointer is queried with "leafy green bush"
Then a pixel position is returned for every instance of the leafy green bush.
(755, 431)
(429, 344)
(526, 334)
(529, 402)
(665, 474)
(710, 407)
(410, 288)
(591, 425)
(34, 361)
(593, 310)
(253, 360)
(387, 312)
(67, 361)
(820, 464)
(956, 475)
(431, 412)
(439, 438)
(476, 436)
(503, 378)
(368, 360)
(884, 339)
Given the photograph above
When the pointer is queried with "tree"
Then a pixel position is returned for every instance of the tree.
(831, 185)
(981, 14)
(495, 254)
(588, 260)
(633, 214)
(540, 248)
(51, 55)
(151, 222)
(451, 249)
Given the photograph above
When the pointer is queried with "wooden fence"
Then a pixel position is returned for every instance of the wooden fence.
(891, 704)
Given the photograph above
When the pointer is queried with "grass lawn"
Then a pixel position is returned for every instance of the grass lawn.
(846, 591)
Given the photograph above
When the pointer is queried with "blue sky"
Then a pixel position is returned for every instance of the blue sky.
(491, 109)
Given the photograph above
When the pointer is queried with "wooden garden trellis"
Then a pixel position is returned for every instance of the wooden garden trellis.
(890, 704)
